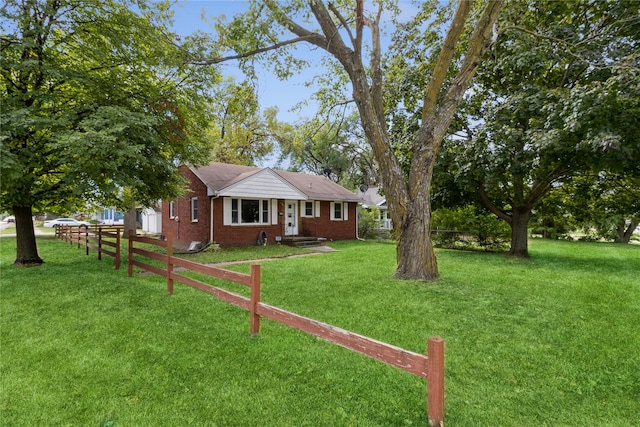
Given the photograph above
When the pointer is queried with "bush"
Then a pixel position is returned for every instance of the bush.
(467, 228)
(368, 225)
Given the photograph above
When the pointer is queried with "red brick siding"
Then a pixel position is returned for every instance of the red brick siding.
(184, 231)
(323, 226)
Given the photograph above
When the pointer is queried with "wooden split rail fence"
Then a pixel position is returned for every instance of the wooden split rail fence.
(429, 366)
(104, 239)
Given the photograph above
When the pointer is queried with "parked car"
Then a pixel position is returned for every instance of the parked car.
(9, 219)
(63, 221)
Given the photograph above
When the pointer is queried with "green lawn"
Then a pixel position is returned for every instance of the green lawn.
(552, 340)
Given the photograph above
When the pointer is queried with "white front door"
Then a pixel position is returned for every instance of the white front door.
(291, 218)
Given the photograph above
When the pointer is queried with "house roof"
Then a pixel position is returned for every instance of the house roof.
(372, 197)
(228, 180)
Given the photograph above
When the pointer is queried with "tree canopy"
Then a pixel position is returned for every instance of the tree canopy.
(556, 97)
(96, 98)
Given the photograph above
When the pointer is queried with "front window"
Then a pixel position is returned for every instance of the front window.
(234, 211)
(250, 211)
(172, 209)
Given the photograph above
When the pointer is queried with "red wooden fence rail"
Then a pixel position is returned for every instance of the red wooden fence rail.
(94, 237)
(430, 366)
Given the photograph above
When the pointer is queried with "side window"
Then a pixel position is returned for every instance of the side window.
(172, 209)
(194, 209)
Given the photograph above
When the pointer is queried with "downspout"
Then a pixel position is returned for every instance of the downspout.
(357, 225)
(215, 196)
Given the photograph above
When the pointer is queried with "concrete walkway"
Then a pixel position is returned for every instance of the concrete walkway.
(318, 250)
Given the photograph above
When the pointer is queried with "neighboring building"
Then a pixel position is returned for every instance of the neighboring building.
(151, 219)
(235, 205)
(110, 216)
(371, 198)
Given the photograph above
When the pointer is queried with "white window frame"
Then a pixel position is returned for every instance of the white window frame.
(344, 211)
(303, 209)
(172, 209)
(194, 209)
(236, 220)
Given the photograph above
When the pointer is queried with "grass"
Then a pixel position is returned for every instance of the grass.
(552, 340)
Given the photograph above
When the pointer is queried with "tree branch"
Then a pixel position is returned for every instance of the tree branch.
(489, 204)
(345, 24)
(376, 71)
(446, 56)
(334, 43)
(248, 54)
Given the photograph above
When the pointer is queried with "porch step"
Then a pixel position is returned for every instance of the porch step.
(303, 242)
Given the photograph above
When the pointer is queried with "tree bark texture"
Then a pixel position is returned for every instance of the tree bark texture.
(519, 231)
(624, 232)
(130, 222)
(27, 249)
(416, 256)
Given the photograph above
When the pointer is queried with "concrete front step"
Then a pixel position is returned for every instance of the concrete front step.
(303, 242)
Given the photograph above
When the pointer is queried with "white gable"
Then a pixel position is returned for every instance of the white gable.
(263, 184)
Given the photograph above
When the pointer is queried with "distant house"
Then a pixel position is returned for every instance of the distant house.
(151, 220)
(371, 198)
(235, 205)
(110, 216)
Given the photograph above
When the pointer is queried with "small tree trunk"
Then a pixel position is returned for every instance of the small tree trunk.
(519, 232)
(27, 250)
(415, 253)
(130, 220)
(623, 234)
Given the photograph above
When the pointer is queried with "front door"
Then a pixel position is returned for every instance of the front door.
(291, 218)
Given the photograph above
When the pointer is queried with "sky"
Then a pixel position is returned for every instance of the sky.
(271, 91)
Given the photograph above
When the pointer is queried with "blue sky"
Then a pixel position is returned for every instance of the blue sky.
(271, 91)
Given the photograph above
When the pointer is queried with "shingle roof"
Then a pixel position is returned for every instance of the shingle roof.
(218, 176)
(372, 197)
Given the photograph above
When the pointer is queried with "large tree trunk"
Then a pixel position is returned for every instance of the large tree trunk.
(415, 252)
(519, 231)
(27, 250)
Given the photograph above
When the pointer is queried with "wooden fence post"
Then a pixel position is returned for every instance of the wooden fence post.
(118, 250)
(435, 381)
(255, 299)
(130, 255)
(86, 240)
(169, 264)
(100, 244)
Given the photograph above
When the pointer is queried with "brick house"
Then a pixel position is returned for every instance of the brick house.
(235, 205)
